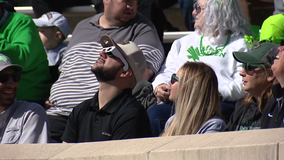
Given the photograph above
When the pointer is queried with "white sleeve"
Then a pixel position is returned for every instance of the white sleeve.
(234, 90)
(170, 65)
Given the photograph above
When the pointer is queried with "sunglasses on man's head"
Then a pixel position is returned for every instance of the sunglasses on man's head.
(4, 77)
(249, 67)
(174, 78)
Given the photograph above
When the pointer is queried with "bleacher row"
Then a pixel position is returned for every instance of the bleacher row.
(169, 37)
(253, 145)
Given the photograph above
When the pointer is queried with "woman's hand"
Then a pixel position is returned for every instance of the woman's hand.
(162, 92)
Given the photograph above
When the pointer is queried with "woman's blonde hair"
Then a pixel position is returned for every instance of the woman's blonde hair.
(266, 93)
(197, 99)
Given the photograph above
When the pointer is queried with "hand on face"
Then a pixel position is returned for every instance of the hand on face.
(161, 92)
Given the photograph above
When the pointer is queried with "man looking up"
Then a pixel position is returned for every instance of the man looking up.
(113, 113)
(76, 83)
(20, 121)
(273, 114)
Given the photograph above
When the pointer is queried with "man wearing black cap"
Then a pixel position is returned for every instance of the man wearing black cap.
(273, 114)
(20, 121)
(113, 113)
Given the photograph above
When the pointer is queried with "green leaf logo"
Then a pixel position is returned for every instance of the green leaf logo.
(3, 58)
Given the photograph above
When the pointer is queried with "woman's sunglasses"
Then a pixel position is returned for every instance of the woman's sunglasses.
(197, 7)
(174, 78)
(4, 77)
(249, 67)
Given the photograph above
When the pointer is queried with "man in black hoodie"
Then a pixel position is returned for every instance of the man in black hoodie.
(273, 114)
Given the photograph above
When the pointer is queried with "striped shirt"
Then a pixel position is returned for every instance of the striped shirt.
(76, 82)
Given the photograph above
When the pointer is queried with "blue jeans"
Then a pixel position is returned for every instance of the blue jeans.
(227, 108)
(158, 115)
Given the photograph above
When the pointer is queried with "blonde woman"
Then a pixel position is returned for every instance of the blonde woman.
(194, 90)
(257, 81)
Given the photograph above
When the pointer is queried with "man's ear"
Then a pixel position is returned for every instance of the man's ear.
(127, 73)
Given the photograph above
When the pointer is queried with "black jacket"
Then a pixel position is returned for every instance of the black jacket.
(273, 114)
(244, 118)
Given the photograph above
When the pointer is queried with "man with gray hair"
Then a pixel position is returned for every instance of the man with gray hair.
(113, 113)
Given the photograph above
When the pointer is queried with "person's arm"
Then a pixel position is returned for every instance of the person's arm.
(20, 41)
(233, 90)
(170, 66)
(213, 125)
(148, 41)
(35, 129)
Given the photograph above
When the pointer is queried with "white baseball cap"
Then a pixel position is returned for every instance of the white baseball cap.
(131, 53)
(50, 19)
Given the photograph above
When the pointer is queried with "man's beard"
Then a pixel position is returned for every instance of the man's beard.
(105, 74)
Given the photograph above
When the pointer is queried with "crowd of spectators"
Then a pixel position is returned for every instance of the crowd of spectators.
(113, 80)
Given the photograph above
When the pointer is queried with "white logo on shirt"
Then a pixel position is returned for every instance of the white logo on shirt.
(106, 134)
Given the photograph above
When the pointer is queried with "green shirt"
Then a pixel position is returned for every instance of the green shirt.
(19, 40)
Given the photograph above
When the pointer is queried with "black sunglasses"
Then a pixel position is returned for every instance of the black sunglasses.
(4, 77)
(110, 54)
(113, 52)
(174, 78)
(249, 67)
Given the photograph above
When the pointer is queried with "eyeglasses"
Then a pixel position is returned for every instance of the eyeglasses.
(4, 77)
(174, 78)
(113, 52)
(197, 7)
(249, 67)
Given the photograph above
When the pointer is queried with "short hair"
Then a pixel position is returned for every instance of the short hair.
(197, 99)
(223, 16)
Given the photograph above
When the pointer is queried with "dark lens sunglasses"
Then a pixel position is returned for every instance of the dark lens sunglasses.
(174, 79)
(110, 54)
(248, 66)
(113, 52)
(197, 7)
(4, 77)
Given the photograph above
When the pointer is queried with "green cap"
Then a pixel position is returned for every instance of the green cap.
(262, 53)
(272, 29)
